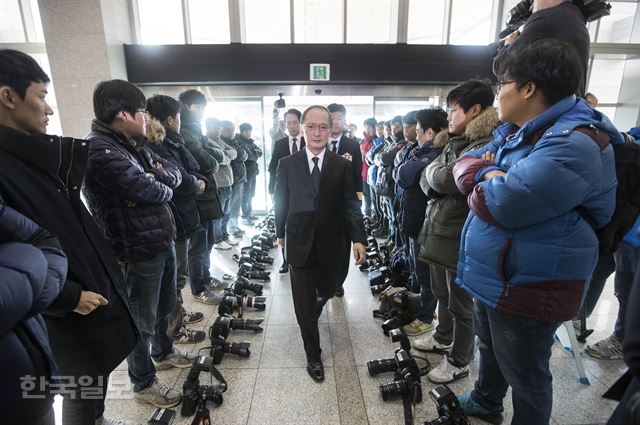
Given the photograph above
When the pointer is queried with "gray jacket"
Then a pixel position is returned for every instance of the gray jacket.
(224, 176)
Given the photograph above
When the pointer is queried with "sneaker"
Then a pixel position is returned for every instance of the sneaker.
(426, 342)
(471, 408)
(192, 317)
(188, 336)
(446, 372)
(207, 297)
(216, 284)
(609, 348)
(108, 421)
(247, 222)
(238, 234)
(222, 245)
(176, 358)
(232, 243)
(158, 394)
(418, 327)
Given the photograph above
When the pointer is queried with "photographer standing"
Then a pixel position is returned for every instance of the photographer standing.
(556, 19)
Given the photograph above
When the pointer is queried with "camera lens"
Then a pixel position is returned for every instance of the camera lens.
(377, 289)
(394, 389)
(381, 366)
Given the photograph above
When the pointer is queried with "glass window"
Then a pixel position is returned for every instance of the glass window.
(616, 28)
(11, 30)
(387, 109)
(161, 22)
(54, 126)
(606, 78)
(426, 22)
(609, 111)
(471, 22)
(318, 21)
(372, 22)
(37, 21)
(209, 21)
(267, 21)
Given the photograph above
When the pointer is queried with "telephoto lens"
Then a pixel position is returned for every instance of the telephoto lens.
(381, 366)
(238, 348)
(256, 302)
(247, 324)
(395, 389)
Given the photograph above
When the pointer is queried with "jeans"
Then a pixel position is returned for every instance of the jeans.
(206, 265)
(604, 267)
(455, 315)
(199, 253)
(151, 286)
(234, 207)
(82, 411)
(220, 232)
(248, 193)
(421, 282)
(176, 318)
(626, 258)
(388, 211)
(367, 197)
(520, 360)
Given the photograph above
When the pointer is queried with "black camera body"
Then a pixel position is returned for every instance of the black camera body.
(231, 303)
(448, 407)
(401, 312)
(218, 333)
(242, 285)
(195, 394)
(406, 383)
(246, 270)
(392, 364)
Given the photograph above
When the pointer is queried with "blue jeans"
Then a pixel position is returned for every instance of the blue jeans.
(220, 232)
(199, 260)
(151, 286)
(626, 257)
(514, 351)
(234, 207)
(421, 282)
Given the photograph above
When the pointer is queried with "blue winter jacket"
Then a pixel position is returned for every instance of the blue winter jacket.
(524, 248)
(372, 172)
(633, 236)
(33, 270)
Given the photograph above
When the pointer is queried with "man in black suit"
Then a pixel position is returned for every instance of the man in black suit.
(348, 148)
(316, 211)
(285, 147)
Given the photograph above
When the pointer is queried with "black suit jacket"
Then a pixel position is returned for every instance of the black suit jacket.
(352, 147)
(329, 227)
(280, 150)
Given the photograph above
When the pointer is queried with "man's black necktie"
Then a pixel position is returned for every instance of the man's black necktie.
(294, 146)
(334, 146)
(315, 175)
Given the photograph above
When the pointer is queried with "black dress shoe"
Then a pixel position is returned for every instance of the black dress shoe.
(339, 291)
(316, 370)
(284, 268)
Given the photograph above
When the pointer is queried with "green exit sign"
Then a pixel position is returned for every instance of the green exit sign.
(319, 72)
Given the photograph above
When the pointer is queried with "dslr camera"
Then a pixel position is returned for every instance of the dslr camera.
(406, 383)
(391, 364)
(231, 303)
(194, 394)
(448, 407)
(242, 285)
(246, 270)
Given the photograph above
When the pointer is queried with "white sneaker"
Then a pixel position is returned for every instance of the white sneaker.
(158, 394)
(232, 243)
(108, 421)
(177, 359)
(426, 342)
(222, 245)
(445, 372)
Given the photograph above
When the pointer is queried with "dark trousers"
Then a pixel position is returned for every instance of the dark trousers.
(421, 282)
(514, 351)
(377, 206)
(627, 257)
(247, 196)
(366, 193)
(82, 411)
(604, 267)
(152, 297)
(308, 299)
(199, 260)
(220, 232)
(176, 318)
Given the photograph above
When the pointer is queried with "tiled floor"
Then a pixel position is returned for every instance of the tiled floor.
(272, 386)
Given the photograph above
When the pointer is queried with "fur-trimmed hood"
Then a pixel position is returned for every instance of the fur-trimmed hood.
(156, 132)
(480, 127)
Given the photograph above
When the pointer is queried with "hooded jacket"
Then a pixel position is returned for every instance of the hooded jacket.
(169, 145)
(41, 177)
(128, 196)
(525, 250)
(447, 208)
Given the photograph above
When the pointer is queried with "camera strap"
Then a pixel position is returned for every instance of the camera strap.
(202, 416)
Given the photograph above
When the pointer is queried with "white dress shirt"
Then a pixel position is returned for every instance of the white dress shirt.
(320, 157)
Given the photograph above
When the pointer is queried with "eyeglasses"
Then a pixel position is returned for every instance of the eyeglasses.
(499, 84)
(313, 127)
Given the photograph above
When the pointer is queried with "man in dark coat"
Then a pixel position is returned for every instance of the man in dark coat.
(128, 188)
(41, 176)
(285, 147)
(251, 164)
(316, 210)
(349, 149)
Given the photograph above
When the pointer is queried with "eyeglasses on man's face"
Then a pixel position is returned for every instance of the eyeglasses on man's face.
(499, 84)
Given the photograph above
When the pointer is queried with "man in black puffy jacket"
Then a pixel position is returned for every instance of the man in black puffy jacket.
(239, 179)
(128, 189)
(251, 164)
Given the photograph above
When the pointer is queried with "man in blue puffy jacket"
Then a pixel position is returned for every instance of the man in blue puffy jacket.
(525, 251)
(33, 269)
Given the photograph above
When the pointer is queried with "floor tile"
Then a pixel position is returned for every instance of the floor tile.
(369, 342)
(358, 308)
(283, 347)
